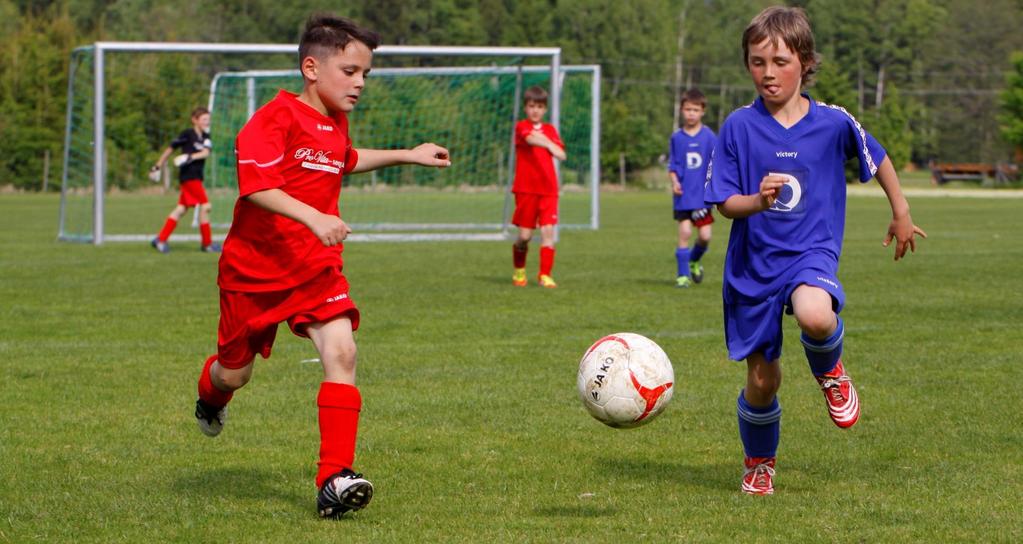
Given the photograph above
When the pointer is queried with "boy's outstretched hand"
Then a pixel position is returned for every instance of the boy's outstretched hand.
(429, 154)
(903, 230)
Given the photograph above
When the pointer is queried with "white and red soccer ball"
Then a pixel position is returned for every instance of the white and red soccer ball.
(625, 380)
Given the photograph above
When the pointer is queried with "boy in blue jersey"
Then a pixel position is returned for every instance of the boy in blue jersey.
(688, 156)
(778, 172)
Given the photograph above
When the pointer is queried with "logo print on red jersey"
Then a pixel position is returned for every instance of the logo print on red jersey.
(315, 159)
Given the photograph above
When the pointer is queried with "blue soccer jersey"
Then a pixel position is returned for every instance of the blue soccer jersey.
(802, 232)
(688, 157)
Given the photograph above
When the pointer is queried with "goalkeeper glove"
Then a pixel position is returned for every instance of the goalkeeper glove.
(154, 174)
(182, 160)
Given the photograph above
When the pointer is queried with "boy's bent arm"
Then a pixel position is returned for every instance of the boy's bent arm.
(901, 228)
(739, 206)
(330, 229)
(540, 140)
(423, 154)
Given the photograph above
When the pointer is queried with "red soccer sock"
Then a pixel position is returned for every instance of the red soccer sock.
(519, 255)
(339, 405)
(546, 260)
(209, 392)
(168, 228)
(204, 230)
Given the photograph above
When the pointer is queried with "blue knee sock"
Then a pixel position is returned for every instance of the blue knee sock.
(682, 258)
(823, 354)
(759, 428)
(698, 251)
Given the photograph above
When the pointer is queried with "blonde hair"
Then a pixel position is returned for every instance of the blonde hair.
(792, 27)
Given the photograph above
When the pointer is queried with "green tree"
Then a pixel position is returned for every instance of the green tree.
(1011, 103)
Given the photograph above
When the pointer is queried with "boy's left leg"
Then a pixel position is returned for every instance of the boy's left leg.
(546, 256)
(823, 332)
(339, 403)
(207, 245)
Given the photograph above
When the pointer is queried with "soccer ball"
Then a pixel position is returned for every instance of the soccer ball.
(625, 380)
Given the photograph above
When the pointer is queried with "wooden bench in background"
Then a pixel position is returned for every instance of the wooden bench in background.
(942, 172)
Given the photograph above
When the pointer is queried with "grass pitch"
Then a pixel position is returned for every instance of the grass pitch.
(471, 429)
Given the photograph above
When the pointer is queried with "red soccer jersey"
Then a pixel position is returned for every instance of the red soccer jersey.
(534, 165)
(290, 146)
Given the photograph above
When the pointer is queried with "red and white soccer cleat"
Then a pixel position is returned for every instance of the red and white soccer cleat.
(843, 402)
(758, 478)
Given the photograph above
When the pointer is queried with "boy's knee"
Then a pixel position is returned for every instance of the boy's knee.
(340, 355)
(817, 323)
(521, 244)
(229, 379)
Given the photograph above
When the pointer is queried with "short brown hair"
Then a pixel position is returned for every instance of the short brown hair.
(326, 34)
(535, 93)
(199, 111)
(694, 96)
(792, 27)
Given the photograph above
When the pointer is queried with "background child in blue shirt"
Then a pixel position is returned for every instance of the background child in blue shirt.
(688, 156)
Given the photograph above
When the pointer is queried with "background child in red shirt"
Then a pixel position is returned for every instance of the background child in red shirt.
(282, 256)
(536, 187)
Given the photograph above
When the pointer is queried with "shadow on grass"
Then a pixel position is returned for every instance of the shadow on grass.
(576, 511)
(241, 483)
(719, 476)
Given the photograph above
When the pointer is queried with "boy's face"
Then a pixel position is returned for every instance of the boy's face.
(535, 111)
(692, 113)
(341, 76)
(776, 71)
(202, 122)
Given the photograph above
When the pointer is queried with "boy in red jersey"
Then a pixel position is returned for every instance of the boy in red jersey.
(536, 187)
(194, 145)
(282, 256)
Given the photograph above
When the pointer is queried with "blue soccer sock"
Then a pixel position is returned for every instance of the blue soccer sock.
(682, 258)
(698, 251)
(823, 354)
(759, 428)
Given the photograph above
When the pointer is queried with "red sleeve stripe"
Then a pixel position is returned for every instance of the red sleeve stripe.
(262, 165)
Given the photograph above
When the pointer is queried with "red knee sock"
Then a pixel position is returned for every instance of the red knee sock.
(168, 228)
(209, 392)
(204, 230)
(519, 255)
(339, 405)
(546, 260)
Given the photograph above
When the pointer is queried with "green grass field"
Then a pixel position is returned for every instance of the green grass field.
(471, 429)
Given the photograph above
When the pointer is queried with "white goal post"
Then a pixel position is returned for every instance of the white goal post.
(96, 187)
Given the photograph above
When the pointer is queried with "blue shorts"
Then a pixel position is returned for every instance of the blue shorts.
(755, 326)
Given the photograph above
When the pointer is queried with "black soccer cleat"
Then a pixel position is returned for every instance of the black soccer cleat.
(210, 418)
(344, 491)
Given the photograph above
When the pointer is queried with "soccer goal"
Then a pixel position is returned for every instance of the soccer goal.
(465, 98)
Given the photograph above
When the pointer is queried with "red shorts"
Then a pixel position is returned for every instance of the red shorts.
(700, 218)
(192, 193)
(248, 321)
(533, 211)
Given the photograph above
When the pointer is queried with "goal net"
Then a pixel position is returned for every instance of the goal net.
(466, 99)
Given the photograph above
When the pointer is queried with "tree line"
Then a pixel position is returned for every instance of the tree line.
(932, 79)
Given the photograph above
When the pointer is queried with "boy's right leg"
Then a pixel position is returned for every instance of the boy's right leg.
(682, 254)
(759, 415)
(216, 388)
(160, 242)
(520, 249)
